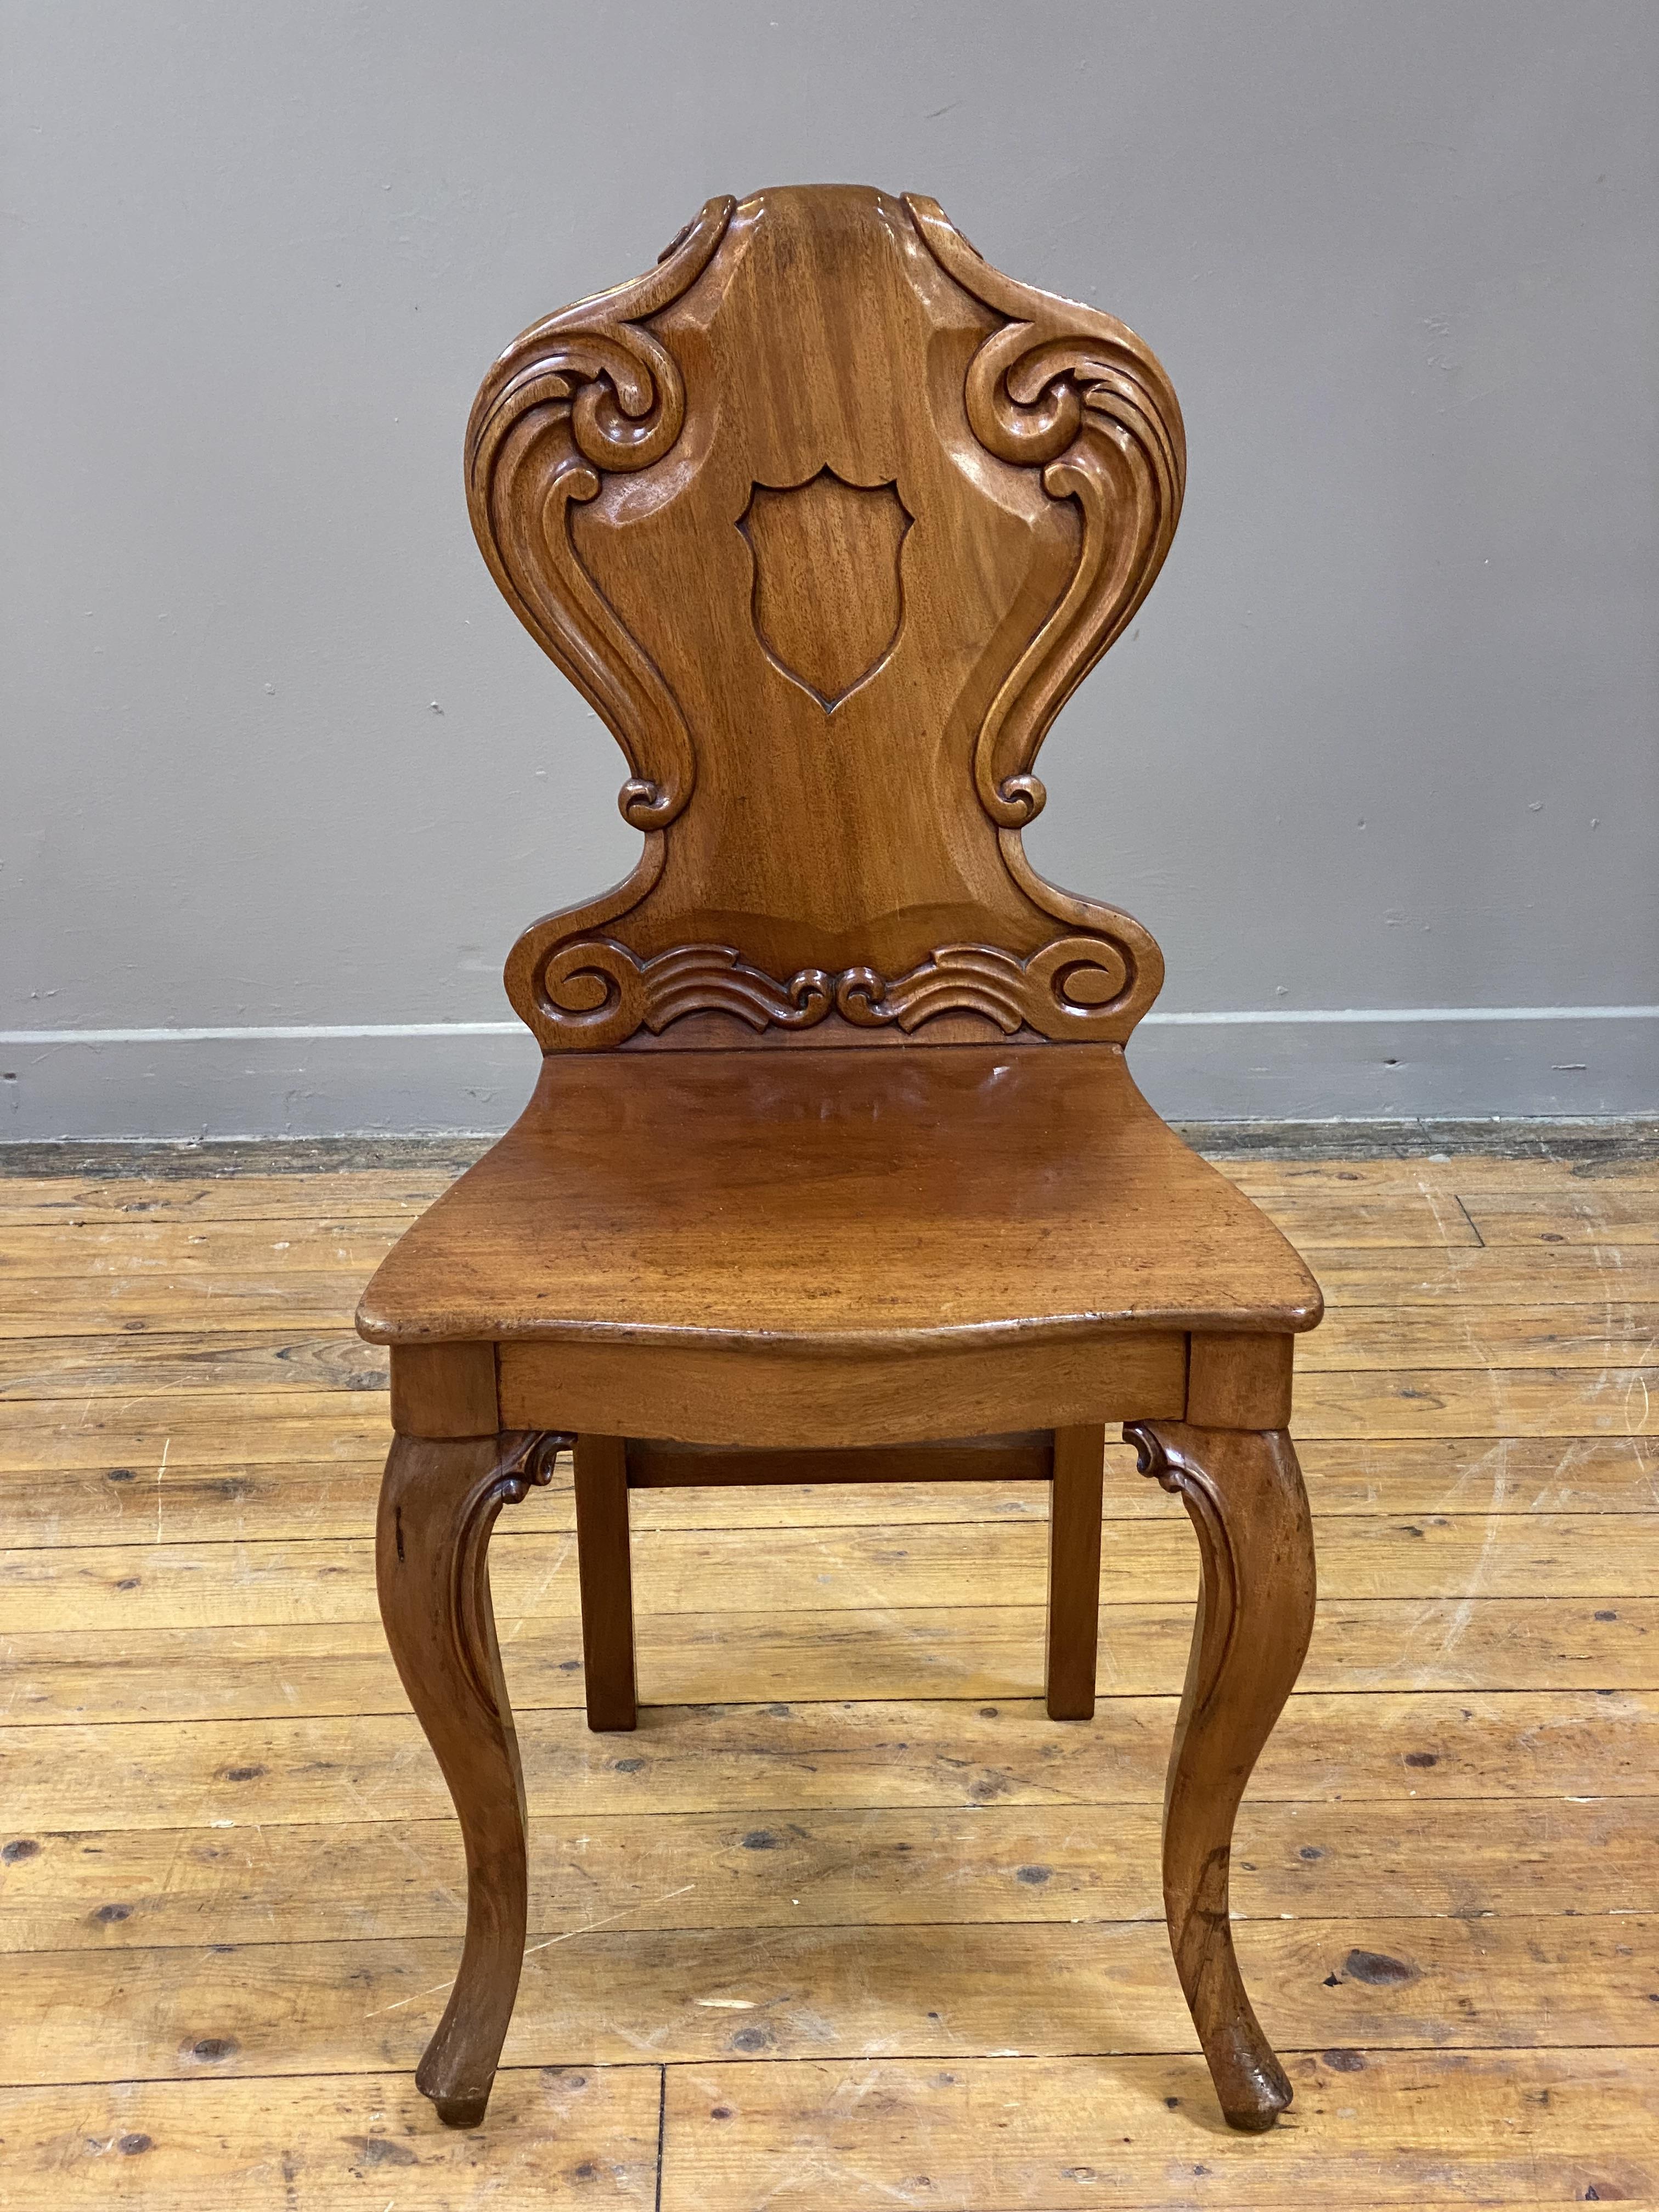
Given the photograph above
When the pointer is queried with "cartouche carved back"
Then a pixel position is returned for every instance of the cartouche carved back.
(827, 519)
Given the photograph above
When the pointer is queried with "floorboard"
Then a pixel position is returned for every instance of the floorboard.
(848, 1922)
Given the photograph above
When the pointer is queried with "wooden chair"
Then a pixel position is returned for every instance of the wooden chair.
(834, 1156)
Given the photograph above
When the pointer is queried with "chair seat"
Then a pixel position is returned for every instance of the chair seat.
(955, 1195)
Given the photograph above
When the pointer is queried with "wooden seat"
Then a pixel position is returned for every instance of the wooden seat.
(1019, 1210)
(835, 1169)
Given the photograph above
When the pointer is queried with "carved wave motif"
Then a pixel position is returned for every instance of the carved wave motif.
(593, 993)
(1063, 990)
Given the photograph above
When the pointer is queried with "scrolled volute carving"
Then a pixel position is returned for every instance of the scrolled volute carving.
(1152, 1458)
(526, 1462)
(1068, 987)
(596, 391)
(592, 993)
(1065, 389)
(587, 392)
(1163, 1451)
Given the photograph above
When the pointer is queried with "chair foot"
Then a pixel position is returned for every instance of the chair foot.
(439, 1502)
(1243, 1490)
(1250, 2084)
(457, 2112)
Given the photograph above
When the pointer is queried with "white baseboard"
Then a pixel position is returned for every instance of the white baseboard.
(1365, 1063)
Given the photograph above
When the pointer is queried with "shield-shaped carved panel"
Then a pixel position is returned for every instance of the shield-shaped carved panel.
(829, 595)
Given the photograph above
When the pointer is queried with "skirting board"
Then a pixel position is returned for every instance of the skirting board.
(1368, 1065)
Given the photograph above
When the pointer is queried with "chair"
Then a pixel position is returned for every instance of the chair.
(834, 1171)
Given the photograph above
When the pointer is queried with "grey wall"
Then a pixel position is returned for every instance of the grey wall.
(276, 757)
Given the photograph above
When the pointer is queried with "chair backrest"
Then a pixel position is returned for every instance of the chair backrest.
(827, 519)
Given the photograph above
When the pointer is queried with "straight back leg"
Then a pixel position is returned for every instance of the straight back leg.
(439, 1502)
(605, 1572)
(1074, 1571)
(1243, 1490)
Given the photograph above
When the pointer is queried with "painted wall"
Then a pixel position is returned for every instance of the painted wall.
(277, 761)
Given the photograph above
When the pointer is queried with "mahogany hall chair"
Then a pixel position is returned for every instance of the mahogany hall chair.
(834, 1171)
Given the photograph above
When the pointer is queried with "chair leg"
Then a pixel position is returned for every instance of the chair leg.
(1074, 1571)
(438, 1506)
(607, 1582)
(1244, 1491)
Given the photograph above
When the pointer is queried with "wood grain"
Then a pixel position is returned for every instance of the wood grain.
(230, 1178)
(775, 1396)
(605, 1573)
(599, 1996)
(1404, 1477)
(133, 1304)
(1467, 1744)
(143, 1889)
(238, 1359)
(212, 1431)
(1547, 1277)
(293, 1737)
(156, 1364)
(113, 1586)
(445, 1390)
(1566, 1401)
(185, 1429)
(1072, 1630)
(838, 1199)
(278, 1244)
(1065, 2135)
(231, 1192)
(309, 1187)
(1582, 1217)
(334, 2145)
(1619, 1156)
(183, 1252)
(763, 575)
(966, 1652)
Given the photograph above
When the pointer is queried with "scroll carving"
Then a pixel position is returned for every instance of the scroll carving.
(846, 479)
(587, 391)
(1159, 1454)
(1074, 392)
(1063, 990)
(527, 1463)
(596, 992)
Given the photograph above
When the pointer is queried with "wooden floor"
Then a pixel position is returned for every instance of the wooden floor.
(848, 1924)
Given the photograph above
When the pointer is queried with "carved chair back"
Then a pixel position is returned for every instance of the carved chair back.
(827, 519)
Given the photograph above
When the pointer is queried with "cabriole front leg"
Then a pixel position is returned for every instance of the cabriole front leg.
(1244, 1491)
(439, 1502)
